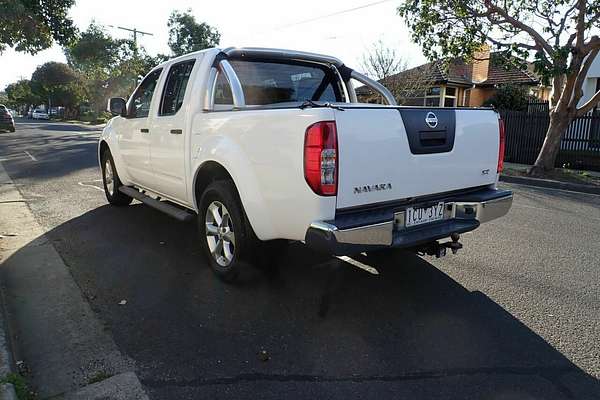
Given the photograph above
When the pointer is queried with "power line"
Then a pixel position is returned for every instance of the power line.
(333, 14)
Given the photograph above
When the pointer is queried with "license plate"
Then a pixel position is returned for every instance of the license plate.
(423, 215)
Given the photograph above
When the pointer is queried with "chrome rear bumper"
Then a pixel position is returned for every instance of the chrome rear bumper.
(461, 214)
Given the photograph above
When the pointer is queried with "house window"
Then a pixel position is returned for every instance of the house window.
(434, 96)
(450, 97)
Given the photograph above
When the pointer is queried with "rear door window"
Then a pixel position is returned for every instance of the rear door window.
(267, 82)
(174, 90)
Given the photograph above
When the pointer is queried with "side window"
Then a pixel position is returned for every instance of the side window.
(139, 104)
(174, 90)
(223, 91)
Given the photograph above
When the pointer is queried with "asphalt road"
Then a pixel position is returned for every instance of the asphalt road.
(515, 315)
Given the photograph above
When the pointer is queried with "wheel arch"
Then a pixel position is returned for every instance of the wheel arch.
(206, 173)
(212, 170)
(102, 148)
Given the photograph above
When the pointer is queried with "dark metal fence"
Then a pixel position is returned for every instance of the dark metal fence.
(580, 145)
(538, 106)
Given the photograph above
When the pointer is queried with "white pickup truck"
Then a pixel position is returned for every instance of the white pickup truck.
(266, 144)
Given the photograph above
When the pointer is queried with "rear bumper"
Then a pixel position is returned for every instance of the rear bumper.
(371, 230)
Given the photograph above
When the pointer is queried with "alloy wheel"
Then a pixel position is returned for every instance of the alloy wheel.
(219, 233)
(109, 178)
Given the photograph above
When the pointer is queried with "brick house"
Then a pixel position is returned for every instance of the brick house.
(457, 83)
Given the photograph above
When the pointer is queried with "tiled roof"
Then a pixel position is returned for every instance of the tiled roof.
(459, 73)
(499, 73)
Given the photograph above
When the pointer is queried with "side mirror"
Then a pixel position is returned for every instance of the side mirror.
(117, 106)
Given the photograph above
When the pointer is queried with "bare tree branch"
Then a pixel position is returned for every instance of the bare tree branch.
(539, 40)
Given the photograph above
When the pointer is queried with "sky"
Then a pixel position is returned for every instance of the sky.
(344, 29)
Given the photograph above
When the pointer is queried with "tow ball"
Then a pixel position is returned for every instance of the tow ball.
(438, 249)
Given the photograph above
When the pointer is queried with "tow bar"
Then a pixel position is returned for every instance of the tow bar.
(438, 249)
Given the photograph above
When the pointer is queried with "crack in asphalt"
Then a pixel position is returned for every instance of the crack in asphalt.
(551, 374)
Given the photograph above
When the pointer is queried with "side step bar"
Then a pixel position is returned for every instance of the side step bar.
(169, 209)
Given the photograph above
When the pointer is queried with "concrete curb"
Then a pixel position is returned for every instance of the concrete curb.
(7, 390)
(550, 184)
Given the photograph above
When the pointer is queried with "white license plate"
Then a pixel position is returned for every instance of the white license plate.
(423, 215)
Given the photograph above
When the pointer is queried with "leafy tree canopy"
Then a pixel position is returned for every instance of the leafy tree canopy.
(58, 84)
(94, 51)
(31, 26)
(110, 66)
(186, 35)
(20, 93)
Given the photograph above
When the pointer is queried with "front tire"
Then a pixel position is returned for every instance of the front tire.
(112, 183)
(227, 238)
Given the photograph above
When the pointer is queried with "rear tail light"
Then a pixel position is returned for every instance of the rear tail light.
(502, 145)
(321, 158)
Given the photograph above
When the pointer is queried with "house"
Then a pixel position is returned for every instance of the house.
(457, 83)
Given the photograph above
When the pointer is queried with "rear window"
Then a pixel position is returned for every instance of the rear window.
(267, 83)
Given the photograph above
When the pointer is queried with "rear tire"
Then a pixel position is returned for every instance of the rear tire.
(12, 130)
(112, 183)
(226, 236)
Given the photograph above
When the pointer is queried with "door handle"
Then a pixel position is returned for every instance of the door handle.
(144, 130)
(176, 131)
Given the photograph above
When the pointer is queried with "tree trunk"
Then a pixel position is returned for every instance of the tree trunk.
(559, 122)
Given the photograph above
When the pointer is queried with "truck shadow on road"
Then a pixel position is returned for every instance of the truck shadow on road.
(315, 323)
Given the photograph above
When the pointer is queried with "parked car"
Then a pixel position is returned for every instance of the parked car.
(7, 123)
(260, 145)
(39, 114)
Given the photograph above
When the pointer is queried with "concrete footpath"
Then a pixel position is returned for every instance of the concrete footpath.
(62, 349)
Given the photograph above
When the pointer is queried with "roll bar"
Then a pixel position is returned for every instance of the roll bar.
(222, 66)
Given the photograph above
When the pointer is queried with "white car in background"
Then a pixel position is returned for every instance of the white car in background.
(40, 114)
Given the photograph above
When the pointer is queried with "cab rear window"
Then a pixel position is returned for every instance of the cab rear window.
(265, 82)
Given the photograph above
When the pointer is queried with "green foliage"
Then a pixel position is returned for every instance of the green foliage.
(20, 385)
(20, 94)
(186, 35)
(31, 26)
(509, 97)
(110, 67)
(58, 84)
(94, 52)
(4, 99)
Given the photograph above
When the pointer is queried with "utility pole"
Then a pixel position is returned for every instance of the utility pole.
(135, 32)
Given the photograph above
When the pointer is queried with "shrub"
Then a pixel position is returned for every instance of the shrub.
(509, 97)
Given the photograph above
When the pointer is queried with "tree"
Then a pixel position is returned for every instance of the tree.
(559, 33)
(31, 26)
(58, 85)
(93, 51)
(21, 95)
(380, 61)
(110, 67)
(385, 65)
(509, 97)
(186, 35)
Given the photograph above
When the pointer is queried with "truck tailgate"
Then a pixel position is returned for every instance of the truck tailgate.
(390, 153)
